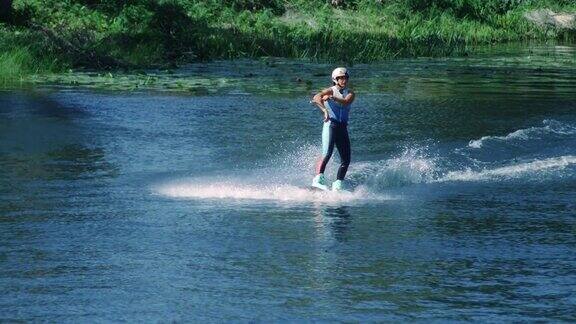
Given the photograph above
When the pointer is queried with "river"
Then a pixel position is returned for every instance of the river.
(151, 205)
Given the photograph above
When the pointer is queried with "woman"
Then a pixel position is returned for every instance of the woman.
(335, 104)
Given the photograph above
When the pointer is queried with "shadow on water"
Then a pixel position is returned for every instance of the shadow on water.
(42, 140)
(48, 155)
(44, 144)
(51, 165)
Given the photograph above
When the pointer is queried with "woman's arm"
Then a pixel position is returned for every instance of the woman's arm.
(319, 98)
(347, 100)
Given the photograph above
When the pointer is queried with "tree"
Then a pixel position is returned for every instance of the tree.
(5, 10)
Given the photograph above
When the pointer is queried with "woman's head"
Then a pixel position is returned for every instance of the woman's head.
(340, 77)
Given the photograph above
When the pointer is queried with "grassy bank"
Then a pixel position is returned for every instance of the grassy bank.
(50, 35)
(24, 53)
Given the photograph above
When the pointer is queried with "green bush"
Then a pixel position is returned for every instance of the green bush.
(471, 9)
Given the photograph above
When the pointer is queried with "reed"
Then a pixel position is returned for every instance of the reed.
(18, 62)
(23, 53)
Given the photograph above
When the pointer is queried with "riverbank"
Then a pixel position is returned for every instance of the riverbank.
(52, 36)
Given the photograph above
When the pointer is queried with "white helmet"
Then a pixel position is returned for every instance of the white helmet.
(339, 72)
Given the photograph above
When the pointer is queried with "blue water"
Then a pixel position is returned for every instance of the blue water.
(158, 206)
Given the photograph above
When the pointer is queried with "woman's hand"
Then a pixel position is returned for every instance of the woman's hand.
(326, 97)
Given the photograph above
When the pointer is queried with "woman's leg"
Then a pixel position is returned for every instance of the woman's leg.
(327, 147)
(343, 145)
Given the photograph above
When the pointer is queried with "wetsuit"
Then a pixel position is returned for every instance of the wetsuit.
(335, 132)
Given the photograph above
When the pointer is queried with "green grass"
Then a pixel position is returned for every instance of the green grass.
(18, 60)
(161, 33)
(18, 63)
(15, 64)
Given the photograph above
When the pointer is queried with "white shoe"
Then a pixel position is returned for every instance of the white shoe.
(319, 182)
(338, 185)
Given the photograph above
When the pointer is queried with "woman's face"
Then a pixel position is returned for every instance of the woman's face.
(342, 81)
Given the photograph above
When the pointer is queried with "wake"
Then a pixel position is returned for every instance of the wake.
(285, 178)
(536, 168)
(549, 129)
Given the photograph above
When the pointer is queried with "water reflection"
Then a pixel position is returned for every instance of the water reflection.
(334, 222)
